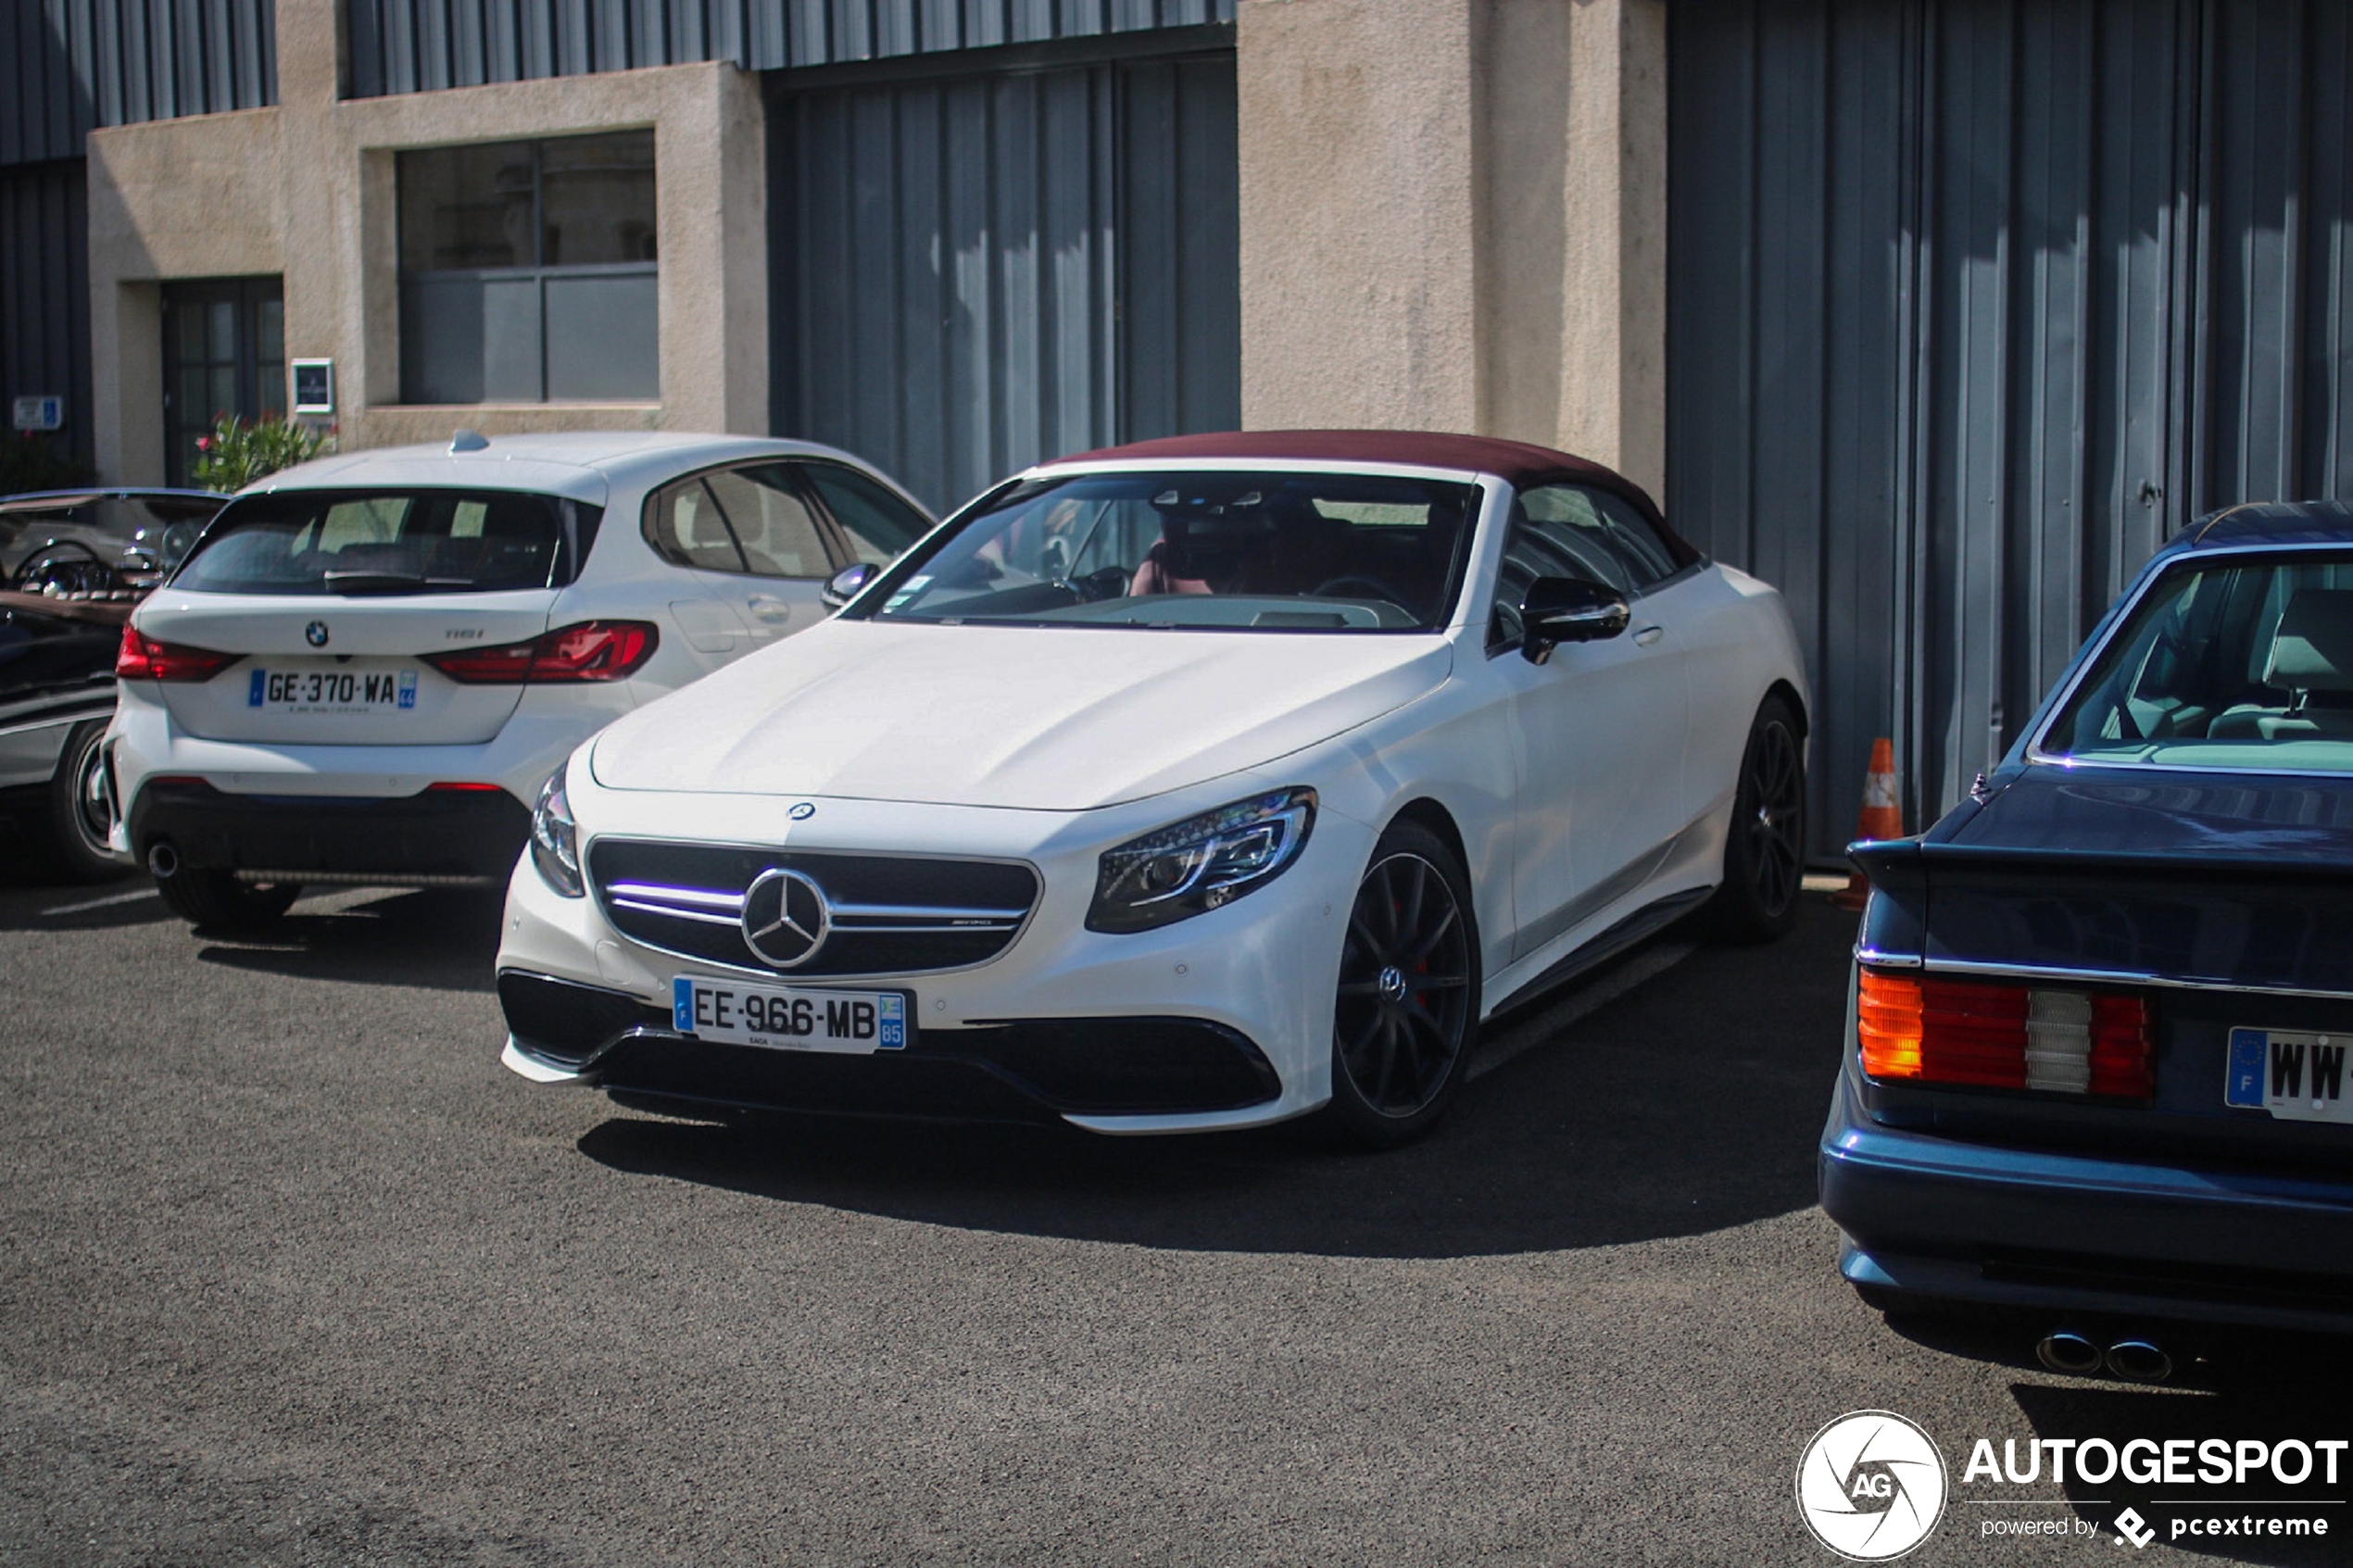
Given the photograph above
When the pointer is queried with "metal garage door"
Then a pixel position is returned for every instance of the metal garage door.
(1971, 304)
(977, 271)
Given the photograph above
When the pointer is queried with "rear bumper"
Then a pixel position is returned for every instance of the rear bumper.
(472, 836)
(2091, 1235)
(1025, 1069)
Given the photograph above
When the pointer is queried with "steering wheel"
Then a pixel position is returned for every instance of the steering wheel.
(67, 565)
(1380, 589)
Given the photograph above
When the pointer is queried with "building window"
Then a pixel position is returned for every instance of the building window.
(224, 357)
(527, 272)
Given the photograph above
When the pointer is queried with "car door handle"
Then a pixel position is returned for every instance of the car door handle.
(768, 608)
(1648, 635)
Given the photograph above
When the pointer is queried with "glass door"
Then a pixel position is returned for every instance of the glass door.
(224, 353)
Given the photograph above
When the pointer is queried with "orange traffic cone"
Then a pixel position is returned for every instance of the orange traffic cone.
(1882, 817)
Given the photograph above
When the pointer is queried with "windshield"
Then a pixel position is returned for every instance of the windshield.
(390, 542)
(2246, 666)
(1231, 551)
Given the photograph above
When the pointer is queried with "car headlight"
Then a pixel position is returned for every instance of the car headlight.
(1201, 863)
(555, 839)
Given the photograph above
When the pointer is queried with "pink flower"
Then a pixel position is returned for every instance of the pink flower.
(204, 444)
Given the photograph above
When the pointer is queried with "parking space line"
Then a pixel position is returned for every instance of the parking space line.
(102, 903)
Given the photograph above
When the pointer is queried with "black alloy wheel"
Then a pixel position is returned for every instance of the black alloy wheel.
(1407, 1010)
(1765, 848)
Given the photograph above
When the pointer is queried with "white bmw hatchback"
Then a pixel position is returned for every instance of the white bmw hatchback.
(367, 666)
(1195, 783)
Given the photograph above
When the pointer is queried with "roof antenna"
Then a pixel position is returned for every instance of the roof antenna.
(468, 440)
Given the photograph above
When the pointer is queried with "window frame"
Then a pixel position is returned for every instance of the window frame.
(830, 536)
(535, 270)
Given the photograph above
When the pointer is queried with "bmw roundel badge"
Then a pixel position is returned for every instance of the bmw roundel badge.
(315, 634)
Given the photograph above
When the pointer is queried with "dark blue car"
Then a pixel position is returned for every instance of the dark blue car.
(2097, 1062)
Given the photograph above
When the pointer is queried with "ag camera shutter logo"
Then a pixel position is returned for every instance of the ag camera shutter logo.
(1871, 1485)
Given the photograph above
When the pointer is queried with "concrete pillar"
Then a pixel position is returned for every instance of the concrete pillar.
(189, 198)
(1455, 217)
(1359, 214)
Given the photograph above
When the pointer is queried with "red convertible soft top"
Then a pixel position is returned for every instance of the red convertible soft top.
(1519, 462)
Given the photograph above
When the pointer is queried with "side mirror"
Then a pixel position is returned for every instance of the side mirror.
(1567, 610)
(845, 584)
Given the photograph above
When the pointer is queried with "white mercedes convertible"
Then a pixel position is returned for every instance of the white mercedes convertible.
(1195, 783)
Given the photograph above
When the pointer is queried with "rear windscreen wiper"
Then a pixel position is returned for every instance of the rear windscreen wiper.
(389, 582)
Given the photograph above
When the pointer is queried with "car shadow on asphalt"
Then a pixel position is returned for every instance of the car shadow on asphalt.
(439, 939)
(1690, 1103)
(2256, 1386)
(2266, 1399)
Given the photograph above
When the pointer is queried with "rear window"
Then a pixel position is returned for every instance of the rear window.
(383, 542)
(2237, 666)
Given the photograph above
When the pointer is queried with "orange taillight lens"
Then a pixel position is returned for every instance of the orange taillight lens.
(1939, 1031)
(1887, 1025)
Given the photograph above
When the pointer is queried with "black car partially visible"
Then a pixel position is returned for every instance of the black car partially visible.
(2095, 1074)
(72, 565)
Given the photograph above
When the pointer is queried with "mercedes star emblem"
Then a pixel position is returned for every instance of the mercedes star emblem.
(785, 918)
(315, 634)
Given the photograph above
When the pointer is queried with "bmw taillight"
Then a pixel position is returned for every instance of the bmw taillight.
(142, 658)
(1938, 1031)
(592, 650)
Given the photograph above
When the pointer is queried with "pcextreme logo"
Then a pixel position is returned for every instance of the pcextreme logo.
(1871, 1485)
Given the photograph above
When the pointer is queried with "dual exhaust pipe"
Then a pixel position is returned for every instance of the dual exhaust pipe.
(2135, 1361)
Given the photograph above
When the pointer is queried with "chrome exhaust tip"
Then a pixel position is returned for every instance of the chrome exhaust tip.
(2068, 1352)
(2137, 1361)
(163, 860)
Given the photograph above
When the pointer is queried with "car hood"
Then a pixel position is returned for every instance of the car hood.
(1058, 718)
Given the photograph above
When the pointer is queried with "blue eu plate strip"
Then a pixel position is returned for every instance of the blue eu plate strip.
(2244, 1085)
(682, 1004)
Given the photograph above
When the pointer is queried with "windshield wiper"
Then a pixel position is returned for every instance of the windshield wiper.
(389, 582)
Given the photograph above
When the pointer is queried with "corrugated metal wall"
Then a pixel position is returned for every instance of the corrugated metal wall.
(67, 66)
(44, 292)
(978, 272)
(409, 45)
(1971, 303)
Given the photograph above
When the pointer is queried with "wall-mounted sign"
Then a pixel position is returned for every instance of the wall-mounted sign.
(314, 386)
(41, 412)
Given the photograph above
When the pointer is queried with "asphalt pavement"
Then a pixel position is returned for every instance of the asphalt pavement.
(292, 1271)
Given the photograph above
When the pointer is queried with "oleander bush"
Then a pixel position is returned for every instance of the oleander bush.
(238, 452)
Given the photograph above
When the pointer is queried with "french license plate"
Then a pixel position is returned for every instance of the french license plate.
(331, 691)
(789, 1019)
(2297, 1077)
